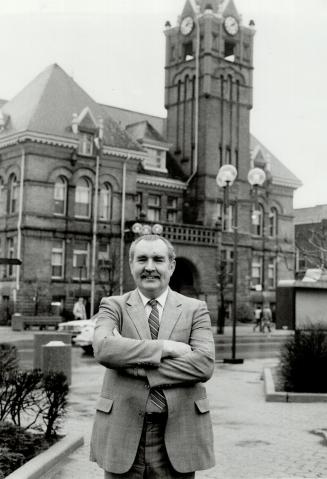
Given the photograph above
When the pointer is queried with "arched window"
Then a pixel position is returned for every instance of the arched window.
(2, 197)
(13, 194)
(273, 222)
(105, 202)
(60, 196)
(83, 198)
(258, 220)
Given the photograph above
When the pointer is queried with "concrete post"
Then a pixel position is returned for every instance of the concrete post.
(57, 356)
(44, 338)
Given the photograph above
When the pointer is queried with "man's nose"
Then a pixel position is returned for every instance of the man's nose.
(150, 265)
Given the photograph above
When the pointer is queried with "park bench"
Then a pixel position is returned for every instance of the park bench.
(22, 322)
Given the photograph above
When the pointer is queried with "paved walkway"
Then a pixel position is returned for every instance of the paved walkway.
(253, 439)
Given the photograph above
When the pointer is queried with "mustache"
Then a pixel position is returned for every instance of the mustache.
(150, 275)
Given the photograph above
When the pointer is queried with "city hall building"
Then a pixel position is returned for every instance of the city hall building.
(79, 179)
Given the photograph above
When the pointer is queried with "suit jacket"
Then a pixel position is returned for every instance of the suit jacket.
(121, 407)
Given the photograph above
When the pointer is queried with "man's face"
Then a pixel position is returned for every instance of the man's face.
(151, 267)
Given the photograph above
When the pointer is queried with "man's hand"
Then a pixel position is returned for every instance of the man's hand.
(174, 349)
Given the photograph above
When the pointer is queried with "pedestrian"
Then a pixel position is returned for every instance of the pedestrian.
(79, 309)
(153, 419)
(258, 318)
(266, 318)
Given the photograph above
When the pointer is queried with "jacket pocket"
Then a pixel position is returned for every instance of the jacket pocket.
(202, 405)
(104, 404)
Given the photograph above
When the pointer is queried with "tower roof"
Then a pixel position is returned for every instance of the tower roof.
(47, 105)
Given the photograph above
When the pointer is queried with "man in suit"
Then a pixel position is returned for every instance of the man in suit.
(152, 419)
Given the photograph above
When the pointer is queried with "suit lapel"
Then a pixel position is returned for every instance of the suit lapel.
(135, 311)
(170, 315)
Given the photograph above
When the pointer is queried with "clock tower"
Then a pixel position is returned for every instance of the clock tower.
(208, 97)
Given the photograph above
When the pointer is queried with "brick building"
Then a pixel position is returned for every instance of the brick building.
(310, 239)
(76, 175)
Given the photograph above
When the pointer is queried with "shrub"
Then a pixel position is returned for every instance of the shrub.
(304, 361)
(8, 358)
(55, 387)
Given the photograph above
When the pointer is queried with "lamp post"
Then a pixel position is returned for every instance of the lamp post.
(225, 179)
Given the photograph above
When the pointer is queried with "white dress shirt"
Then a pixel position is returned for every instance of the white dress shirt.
(161, 300)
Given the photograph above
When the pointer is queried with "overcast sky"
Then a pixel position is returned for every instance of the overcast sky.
(115, 50)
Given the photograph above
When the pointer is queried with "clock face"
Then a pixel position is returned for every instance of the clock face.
(187, 25)
(231, 25)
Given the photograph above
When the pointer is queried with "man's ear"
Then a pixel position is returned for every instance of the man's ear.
(172, 266)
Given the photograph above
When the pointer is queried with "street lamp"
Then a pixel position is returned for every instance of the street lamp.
(225, 179)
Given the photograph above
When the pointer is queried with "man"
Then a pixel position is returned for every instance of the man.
(258, 318)
(79, 309)
(266, 318)
(153, 418)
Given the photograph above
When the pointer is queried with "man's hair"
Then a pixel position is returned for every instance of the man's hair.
(171, 251)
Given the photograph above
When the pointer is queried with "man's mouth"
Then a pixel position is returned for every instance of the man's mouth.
(149, 277)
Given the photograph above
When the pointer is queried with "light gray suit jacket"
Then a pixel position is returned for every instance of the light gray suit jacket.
(120, 409)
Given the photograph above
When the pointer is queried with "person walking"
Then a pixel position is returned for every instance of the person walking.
(79, 311)
(258, 318)
(266, 318)
(153, 417)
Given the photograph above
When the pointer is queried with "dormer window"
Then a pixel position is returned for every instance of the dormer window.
(156, 159)
(86, 144)
(229, 51)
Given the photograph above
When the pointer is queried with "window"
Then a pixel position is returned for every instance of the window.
(172, 209)
(227, 218)
(81, 260)
(2, 197)
(272, 273)
(60, 196)
(227, 267)
(83, 198)
(256, 272)
(188, 51)
(104, 254)
(273, 217)
(13, 194)
(156, 159)
(229, 51)
(258, 220)
(2, 266)
(105, 202)
(138, 205)
(154, 206)
(10, 254)
(86, 144)
(57, 259)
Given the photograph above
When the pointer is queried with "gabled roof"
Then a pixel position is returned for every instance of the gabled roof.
(47, 105)
(144, 132)
(281, 175)
(127, 117)
(309, 215)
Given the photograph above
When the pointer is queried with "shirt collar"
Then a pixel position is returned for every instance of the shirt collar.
(161, 299)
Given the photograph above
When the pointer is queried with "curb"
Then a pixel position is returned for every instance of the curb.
(36, 467)
(277, 396)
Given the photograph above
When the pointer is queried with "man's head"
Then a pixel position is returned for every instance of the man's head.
(152, 262)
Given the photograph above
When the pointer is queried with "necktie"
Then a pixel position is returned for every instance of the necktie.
(157, 397)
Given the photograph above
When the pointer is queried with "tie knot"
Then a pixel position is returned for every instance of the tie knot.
(153, 303)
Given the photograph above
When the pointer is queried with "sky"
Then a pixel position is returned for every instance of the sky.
(115, 50)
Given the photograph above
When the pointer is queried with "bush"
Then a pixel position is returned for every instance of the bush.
(8, 358)
(304, 361)
(18, 446)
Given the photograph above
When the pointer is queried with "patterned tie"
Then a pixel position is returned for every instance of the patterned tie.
(157, 397)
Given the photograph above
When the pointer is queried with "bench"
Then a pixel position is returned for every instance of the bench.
(21, 323)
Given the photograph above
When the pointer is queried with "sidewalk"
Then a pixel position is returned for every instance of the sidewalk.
(253, 439)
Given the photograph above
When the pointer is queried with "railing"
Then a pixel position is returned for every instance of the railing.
(190, 234)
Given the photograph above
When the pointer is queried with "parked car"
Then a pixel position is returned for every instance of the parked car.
(74, 327)
(85, 338)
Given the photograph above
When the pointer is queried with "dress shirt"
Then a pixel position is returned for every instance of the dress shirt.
(161, 300)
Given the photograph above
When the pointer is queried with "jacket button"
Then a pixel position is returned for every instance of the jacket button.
(146, 386)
